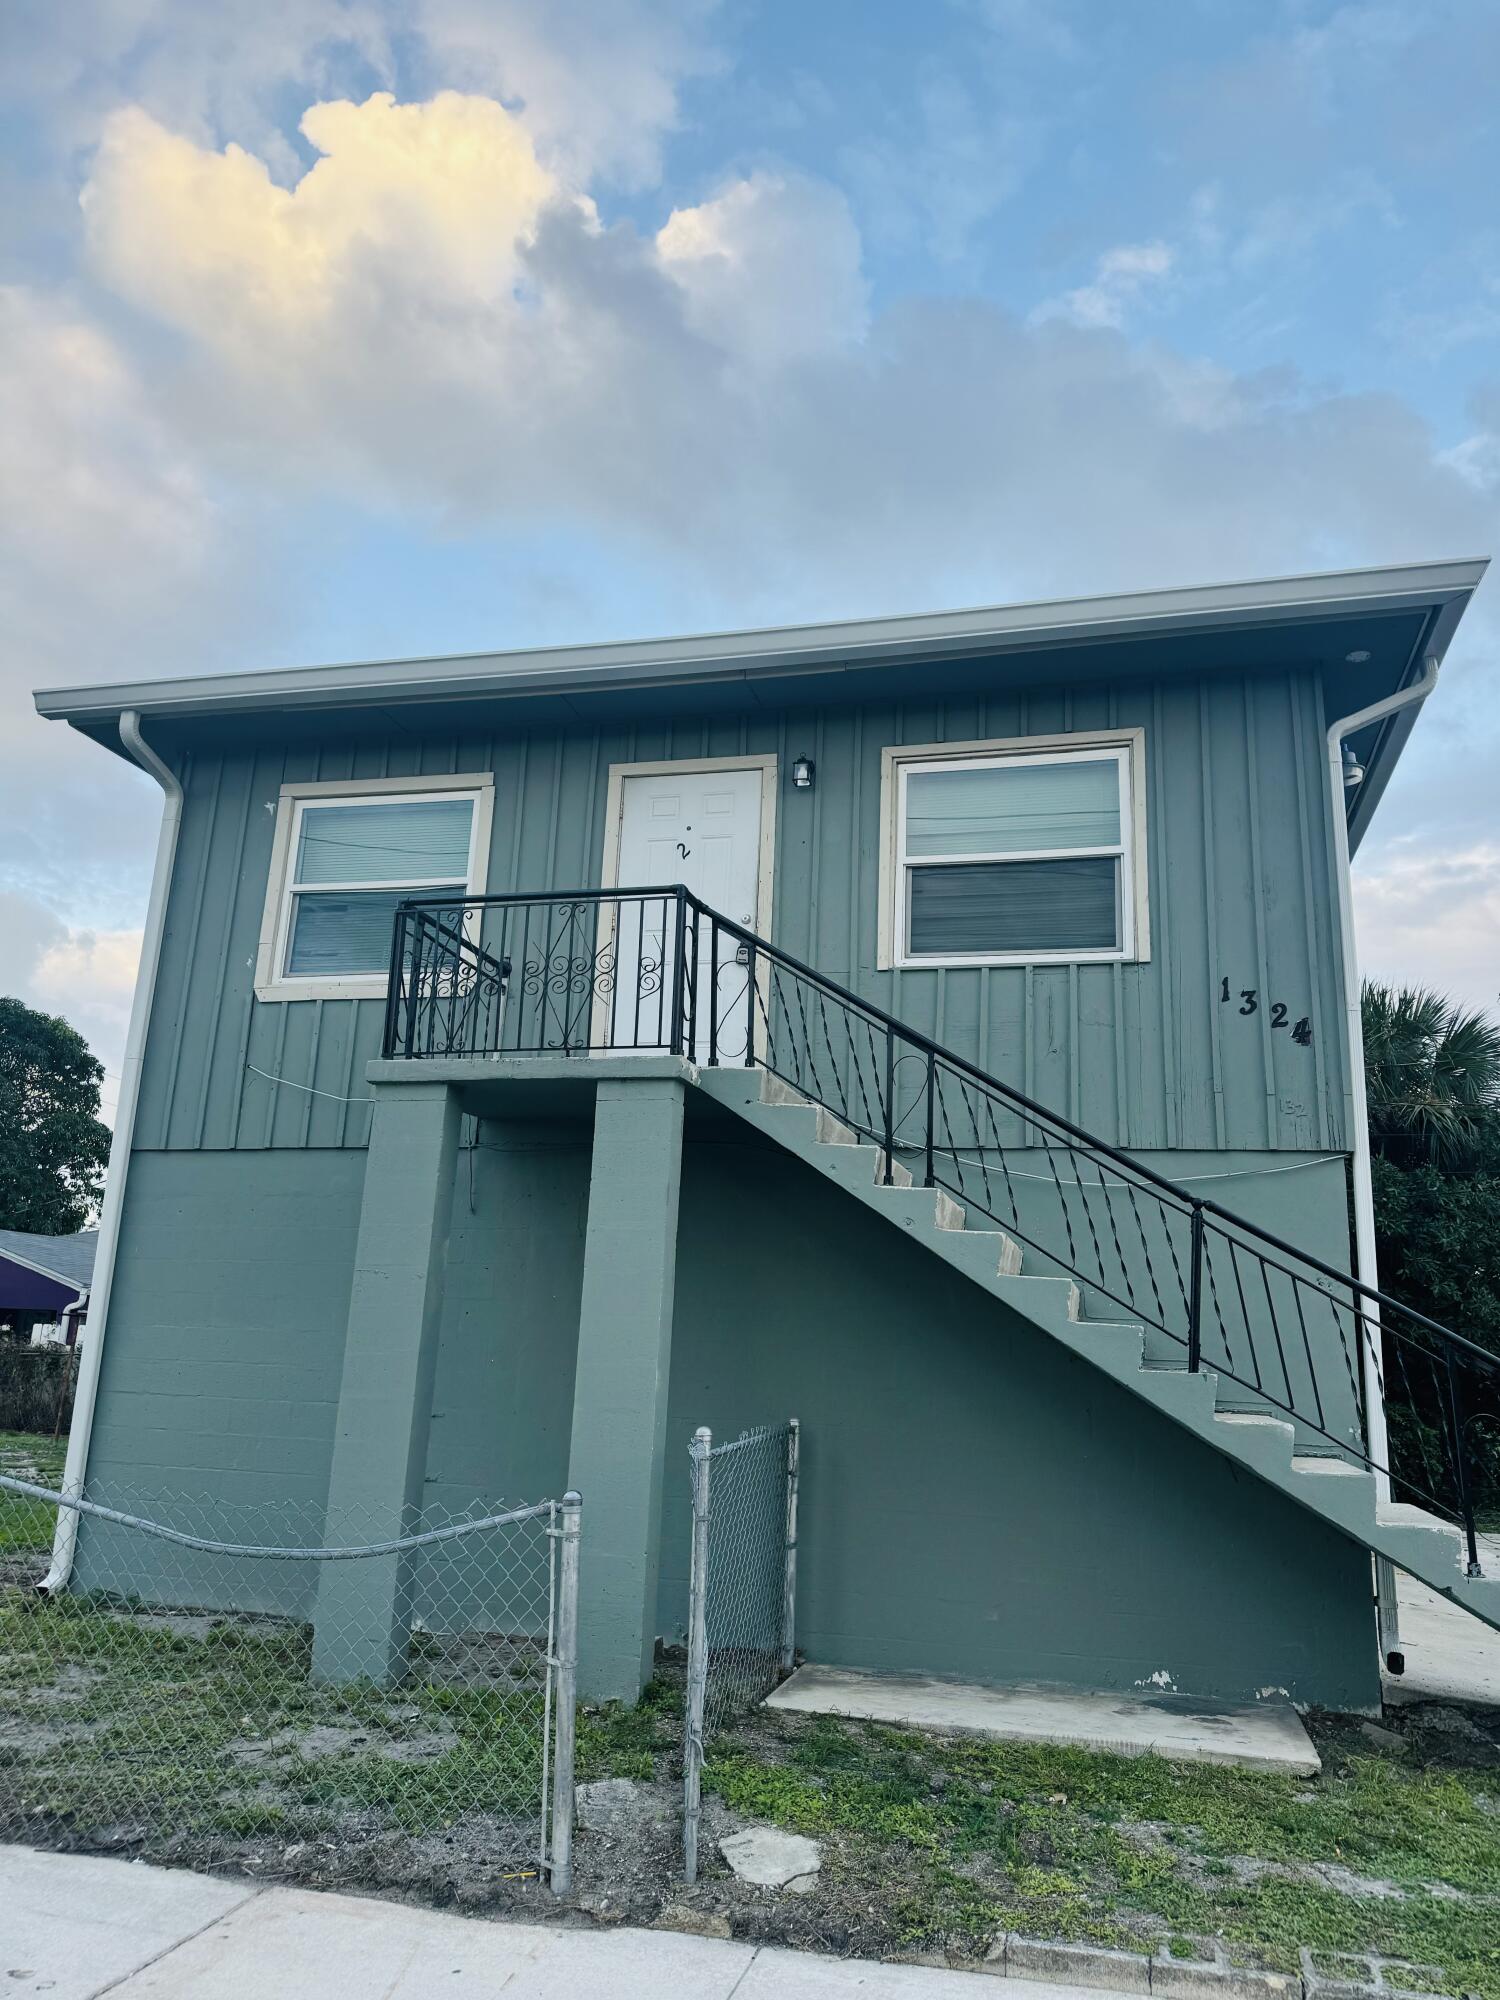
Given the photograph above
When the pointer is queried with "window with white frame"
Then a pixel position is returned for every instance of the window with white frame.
(1016, 856)
(346, 856)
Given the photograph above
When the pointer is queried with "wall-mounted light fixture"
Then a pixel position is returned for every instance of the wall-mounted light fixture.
(1354, 771)
(1357, 659)
(803, 772)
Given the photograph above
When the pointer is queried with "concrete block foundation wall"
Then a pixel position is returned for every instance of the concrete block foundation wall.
(975, 1500)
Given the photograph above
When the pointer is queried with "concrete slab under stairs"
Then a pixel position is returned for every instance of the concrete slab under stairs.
(1262, 1736)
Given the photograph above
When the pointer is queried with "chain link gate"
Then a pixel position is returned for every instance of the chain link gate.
(182, 1693)
(742, 1590)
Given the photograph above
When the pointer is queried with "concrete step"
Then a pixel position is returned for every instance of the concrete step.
(1265, 1443)
(920, 1208)
(987, 1253)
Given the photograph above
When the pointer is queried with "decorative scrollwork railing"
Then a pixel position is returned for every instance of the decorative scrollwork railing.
(657, 970)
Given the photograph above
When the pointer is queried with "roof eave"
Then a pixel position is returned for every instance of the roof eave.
(1381, 761)
(781, 651)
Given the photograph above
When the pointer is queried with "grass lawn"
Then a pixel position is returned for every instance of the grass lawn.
(27, 1524)
(178, 1733)
(205, 1739)
(942, 1843)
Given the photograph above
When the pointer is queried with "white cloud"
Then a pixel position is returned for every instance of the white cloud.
(86, 976)
(111, 539)
(96, 492)
(1432, 918)
(1123, 275)
(212, 71)
(432, 315)
(599, 80)
(770, 269)
(444, 192)
(115, 556)
(89, 978)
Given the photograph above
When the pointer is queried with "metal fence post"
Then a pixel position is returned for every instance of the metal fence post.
(789, 1584)
(567, 1697)
(697, 1673)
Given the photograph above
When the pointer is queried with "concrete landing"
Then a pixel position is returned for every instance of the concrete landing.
(1264, 1736)
(1449, 1655)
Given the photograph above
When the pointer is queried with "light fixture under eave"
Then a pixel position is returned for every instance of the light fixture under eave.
(803, 772)
(1357, 659)
(1354, 771)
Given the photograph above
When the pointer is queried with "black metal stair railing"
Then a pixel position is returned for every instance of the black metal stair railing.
(646, 970)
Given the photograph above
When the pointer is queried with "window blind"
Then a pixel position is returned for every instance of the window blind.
(1010, 808)
(396, 840)
(336, 932)
(981, 908)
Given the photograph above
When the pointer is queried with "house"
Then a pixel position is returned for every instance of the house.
(44, 1284)
(938, 1028)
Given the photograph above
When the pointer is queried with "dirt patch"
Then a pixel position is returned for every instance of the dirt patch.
(324, 1740)
(22, 1738)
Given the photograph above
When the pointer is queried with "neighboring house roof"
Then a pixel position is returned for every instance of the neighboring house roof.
(1367, 631)
(68, 1259)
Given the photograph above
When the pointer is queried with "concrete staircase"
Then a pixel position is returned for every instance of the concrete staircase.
(1334, 1488)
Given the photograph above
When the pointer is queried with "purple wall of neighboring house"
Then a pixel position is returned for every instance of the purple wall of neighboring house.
(22, 1290)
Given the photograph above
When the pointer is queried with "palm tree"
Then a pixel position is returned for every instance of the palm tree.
(1432, 1074)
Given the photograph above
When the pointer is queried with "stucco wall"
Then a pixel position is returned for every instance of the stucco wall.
(976, 1500)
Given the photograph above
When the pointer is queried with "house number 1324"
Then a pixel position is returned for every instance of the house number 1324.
(1249, 999)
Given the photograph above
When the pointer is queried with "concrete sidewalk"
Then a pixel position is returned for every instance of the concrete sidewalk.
(73, 1926)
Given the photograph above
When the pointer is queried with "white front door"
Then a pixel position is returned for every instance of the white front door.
(700, 827)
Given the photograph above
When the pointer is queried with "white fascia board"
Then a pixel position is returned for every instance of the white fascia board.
(783, 649)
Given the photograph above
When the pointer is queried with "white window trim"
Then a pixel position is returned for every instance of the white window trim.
(896, 759)
(271, 983)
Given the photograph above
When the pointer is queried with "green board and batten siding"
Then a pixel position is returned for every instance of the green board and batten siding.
(1147, 1056)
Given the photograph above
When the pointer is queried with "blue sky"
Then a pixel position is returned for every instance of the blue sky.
(338, 328)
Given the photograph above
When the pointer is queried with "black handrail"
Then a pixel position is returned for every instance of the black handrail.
(646, 969)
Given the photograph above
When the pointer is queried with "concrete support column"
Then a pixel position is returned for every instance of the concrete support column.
(624, 1361)
(385, 1400)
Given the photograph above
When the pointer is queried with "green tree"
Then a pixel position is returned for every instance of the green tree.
(1432, 1072)
(1440, 1246)
(1434, 1094)
(53, 1146)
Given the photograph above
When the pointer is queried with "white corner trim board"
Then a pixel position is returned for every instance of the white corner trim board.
(86, 1395)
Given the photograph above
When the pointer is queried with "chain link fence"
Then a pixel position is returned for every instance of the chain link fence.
(742, 1591)
(213, 1674)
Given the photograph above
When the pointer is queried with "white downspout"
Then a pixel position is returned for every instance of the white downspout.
(1365, 1262)
(76, 1467)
